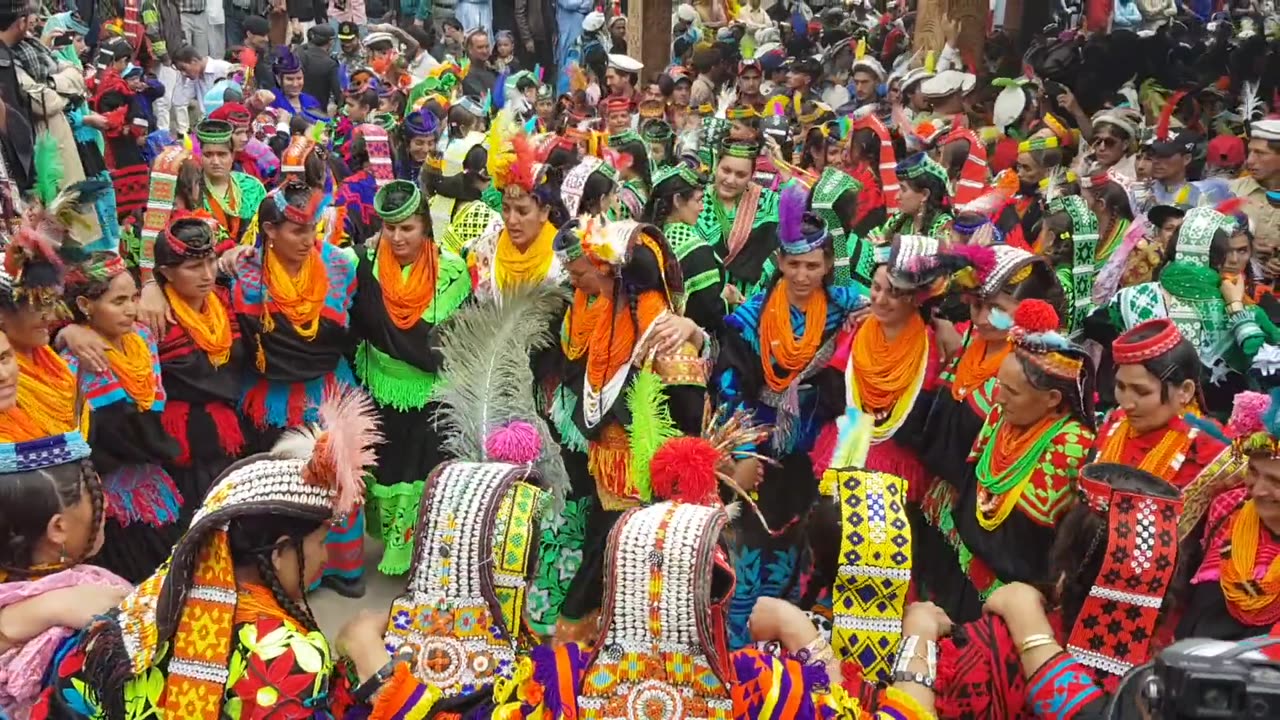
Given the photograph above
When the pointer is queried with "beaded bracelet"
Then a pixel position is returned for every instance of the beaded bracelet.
(913, 677)
(817, 652)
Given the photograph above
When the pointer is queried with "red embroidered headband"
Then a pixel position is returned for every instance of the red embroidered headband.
(1126, 350)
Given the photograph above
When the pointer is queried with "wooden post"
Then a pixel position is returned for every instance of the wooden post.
(649, 35)
(931, 26)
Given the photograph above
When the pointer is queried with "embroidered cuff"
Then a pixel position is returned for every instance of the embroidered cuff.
(1062, 688)
(403, 696)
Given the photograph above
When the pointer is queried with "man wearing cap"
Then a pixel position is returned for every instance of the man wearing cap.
(319, 68)
(257, 35)
(750, 77)
(868, 76)
(621, 76)
(945, 92)
(1114, 141)
(1260, 189)
(802, 76)
(1170, 158)
(351, 52)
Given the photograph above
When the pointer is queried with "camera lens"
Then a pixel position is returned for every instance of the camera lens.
(1215, 698)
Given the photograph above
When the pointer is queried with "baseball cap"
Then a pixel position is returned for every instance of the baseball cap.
(320, 34)
(1182, 141)
(772, 61)
(1225, 151)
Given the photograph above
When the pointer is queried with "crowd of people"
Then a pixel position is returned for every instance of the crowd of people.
(812, 375)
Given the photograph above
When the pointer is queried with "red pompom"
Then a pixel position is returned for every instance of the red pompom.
(684, 468)
(1035, 316)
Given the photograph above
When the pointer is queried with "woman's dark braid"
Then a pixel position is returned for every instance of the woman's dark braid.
(298, 611)
(93, 482)
(662, 207)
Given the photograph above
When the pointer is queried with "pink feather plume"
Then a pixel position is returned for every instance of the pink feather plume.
(345, 448)
(981, 257)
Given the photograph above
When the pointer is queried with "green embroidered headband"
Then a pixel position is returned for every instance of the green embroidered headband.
(746, 151)
(214, 132)
(623, 138)
(830, 186)
(680, 170)
(406, 210)
(657, 130)
(921, 165)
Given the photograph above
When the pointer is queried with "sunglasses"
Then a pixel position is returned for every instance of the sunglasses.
(1105, 141)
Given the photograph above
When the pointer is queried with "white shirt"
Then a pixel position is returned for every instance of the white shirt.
(190, 91)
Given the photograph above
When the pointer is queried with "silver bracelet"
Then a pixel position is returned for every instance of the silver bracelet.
(907, 651)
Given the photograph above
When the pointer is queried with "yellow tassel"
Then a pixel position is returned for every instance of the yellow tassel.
(861, 50)
(930, 63)
(260, 357)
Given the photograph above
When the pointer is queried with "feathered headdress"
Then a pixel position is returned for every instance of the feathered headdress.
(311, 474)
(799, 231)
(1035, 338)
(512, 160)
(690, 469)
(487, 408)
(1254, 427)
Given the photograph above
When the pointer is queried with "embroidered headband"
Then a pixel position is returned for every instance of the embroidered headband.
(1127, 350)
(308, 215)
(742, 112)
(623, 138)
(1196, 234)
(743, 150)
(1039, 143)
(294, 159)
(99, 267)
(921, 165)
(1035, 338)
(407, 209)
(575, 181)
(199, 247)
(420, 123)
(214, 132)
(45, 452)
(235, 113)
(680, 171)
(1119, 618)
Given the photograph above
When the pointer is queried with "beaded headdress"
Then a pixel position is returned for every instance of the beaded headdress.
(665, 656)
(1254, 427)
(1035, 337)
(1037, 144)
(1196, 234)
(214, 132)
(799, 231)
(914, 265)
(474, 220)
(98, 267)
(653, 109)
(745, 150)
(35, 262)
(235, 113)
(187, 605)
(1084, 243)
(200, 246)
(988, 270)
(1120, 617)
(460, 620)
(413, 203)
(1127, 350)
(309, 214)
(378, 146)
(830, 186)
(575, 181)
(921, 165)
(293, 160)
(162, 196)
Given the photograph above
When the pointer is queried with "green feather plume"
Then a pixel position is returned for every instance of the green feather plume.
(651, 426)
(487, 380)
(48, 166)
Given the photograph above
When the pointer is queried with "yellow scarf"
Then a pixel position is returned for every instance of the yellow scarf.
(512, 268)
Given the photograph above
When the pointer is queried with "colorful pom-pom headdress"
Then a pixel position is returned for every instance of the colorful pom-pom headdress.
(1254, 427)
(799, 231)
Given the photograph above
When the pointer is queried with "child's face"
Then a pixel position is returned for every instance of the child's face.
(356, 111)
(505, 47)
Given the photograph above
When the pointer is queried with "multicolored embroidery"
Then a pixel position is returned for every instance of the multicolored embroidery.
(460, 618)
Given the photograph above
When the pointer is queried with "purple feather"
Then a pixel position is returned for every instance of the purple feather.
(791, 209)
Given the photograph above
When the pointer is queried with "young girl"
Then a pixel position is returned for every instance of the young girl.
(504, 54)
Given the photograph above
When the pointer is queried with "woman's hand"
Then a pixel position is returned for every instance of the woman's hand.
(670, 332)
(927, 621)
(732, 295)
(773, 619)
(361, 640)
(948, 337)
(153, 310)
(1015, 602)
(95, 121)
(227, 261)
(1232, 288)
(88, 347)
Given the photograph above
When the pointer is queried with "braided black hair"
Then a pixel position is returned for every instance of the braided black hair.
(662, 200)
(639, 152)
(29, 500)
(253, 540)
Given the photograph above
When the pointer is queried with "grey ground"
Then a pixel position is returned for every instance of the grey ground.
(332, 610)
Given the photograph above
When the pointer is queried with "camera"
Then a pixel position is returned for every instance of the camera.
(1199, 678)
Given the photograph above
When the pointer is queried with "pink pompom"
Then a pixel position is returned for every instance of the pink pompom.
(981, 257)
(516, 442)
(1246, 414)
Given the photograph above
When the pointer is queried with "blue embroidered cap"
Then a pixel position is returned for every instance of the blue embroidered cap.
(43, 453)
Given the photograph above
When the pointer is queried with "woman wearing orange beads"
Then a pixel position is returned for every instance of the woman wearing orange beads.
(129, 442)
(774, 360)
(890, 359)
(1020, 478)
